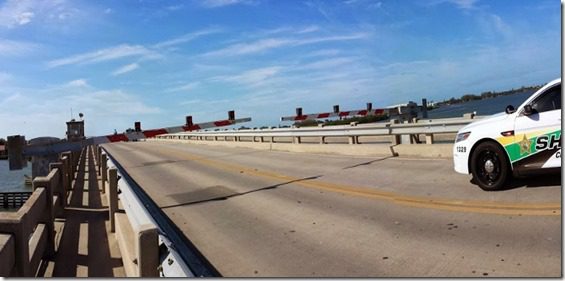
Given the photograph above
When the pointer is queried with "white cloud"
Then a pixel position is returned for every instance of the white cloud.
(185, 87)
(327, 64)
(323, 53)
(186, 38)
(4, 77)
(223, 3)
(369, 4)
(77, 83)
(249, 48)
(112, 53)
(15, 13)
(252, 77)
(16, 48)
(273, 43)
(308, 29)
(461, 4)
(24, 18)
(125, 69)
(174, 7)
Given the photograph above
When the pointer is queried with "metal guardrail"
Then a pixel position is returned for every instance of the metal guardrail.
(353, 131)
(180, 258)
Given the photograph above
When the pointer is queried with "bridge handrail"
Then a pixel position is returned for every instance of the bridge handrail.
(31, 227)
(28, 228)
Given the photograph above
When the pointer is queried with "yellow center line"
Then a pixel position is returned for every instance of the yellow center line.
(486, 207)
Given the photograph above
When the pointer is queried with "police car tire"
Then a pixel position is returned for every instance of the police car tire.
(490, 150)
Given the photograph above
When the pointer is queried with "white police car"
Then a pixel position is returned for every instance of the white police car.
(516, 142)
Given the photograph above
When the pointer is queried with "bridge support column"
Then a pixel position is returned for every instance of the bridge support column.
(112, 196)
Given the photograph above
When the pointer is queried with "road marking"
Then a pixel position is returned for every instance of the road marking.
(486, 207)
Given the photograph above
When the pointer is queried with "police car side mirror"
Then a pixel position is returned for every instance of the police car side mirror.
(510, 109)
(528, 110)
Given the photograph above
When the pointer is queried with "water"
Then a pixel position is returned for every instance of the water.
(13, 180)
(482, 107)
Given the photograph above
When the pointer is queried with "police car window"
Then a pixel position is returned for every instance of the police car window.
(549, 100)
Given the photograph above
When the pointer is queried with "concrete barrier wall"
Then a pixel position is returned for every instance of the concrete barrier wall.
(406, 150)
(31, 229)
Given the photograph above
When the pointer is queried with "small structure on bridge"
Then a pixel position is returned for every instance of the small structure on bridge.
(75, 130)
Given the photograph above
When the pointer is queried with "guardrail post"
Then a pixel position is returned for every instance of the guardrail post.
(272, 139)
(322, 140)
(395, 138)
(103, 172)
(296, 140)
(112, 196)
(429, 138)
(147, 249)
(353, 140)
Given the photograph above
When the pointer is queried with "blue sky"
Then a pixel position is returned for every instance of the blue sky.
(157, 61)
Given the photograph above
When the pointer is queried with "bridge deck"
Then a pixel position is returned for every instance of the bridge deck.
(84, 245)
(277, 214)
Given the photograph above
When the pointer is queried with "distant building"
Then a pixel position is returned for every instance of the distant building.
(75, 130)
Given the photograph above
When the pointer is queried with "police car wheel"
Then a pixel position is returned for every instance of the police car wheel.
(489, 166)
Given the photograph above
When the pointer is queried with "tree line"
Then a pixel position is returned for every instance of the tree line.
(486, 95)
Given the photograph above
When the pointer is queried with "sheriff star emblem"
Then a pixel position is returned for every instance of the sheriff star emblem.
(525, 145)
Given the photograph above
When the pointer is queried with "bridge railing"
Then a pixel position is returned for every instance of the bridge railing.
(27, 235)
(395, 130)
(13, 200)
(136, 233)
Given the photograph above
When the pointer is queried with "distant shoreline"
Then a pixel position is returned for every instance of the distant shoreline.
(485, 95)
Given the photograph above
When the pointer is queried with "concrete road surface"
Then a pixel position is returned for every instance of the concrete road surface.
(264, 213)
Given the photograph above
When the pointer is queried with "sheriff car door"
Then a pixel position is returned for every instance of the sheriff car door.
(538, 134)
